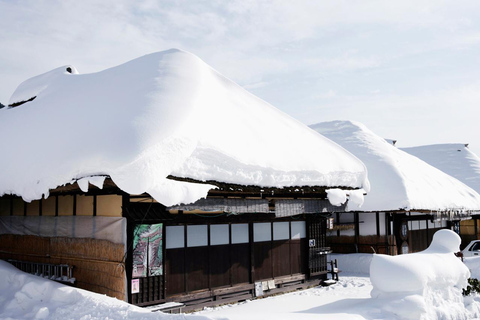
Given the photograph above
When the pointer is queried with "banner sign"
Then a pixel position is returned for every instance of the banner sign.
(147, 250)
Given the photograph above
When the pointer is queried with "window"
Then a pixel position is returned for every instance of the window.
(262, 232)
(197, 236)
(299, 230)
(281, 231)
(240, 233)
(219, 234)
(175, 237)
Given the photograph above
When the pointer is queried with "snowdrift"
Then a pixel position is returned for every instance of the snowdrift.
(24, 296)
(399, 180)
(423, 285)
(167, 113)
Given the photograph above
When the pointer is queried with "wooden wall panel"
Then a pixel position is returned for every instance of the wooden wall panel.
(298, 249)
(197, 268)
(97, 264)
(263, 260)
(281, 258)
(219, 266)
(240, 257)
(175, 271)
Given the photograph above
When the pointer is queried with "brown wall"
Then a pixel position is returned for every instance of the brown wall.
(366, 244)
(98, 264)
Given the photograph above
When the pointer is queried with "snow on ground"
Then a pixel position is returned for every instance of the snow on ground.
(344, 300)
(425, 285)
(24, 296)
(166, 113)
(398, 180)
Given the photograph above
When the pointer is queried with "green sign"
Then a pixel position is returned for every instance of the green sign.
(147, 250)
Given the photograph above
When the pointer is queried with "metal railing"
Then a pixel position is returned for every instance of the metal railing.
(57, 272)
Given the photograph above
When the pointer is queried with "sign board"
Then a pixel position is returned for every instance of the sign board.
(311, 243)
(330, 223)
(258, 289)
(147, 250)
(135, 285)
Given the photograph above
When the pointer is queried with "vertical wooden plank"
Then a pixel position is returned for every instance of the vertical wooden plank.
(95, 205)
(220, 266)
(281, 260)
(290, 258)
(56, 206)
(164, 257)
(175, 271)
(197, 268)
(241, 265)
(252, 252)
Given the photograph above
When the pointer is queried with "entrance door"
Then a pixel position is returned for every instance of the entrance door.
(317, 249)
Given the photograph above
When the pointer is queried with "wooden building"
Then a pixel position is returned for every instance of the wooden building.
(408, 202)
(391, 232)
(104, 160)
(238, 243)
(457, 160)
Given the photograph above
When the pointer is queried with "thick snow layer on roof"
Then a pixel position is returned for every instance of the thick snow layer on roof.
(398, 180)
(454, 159)
(166, 113)
(423, 285)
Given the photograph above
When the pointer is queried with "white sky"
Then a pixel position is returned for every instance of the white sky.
(408, 70)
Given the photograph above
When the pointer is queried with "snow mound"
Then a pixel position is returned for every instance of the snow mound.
(399, 180)
(24, 296)
(423, 285)
(166, 113)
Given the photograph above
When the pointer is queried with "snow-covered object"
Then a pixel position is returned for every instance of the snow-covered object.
(166, 113)
(355, 199)
(454, 159)
(336, 196)
(24, 296)
(423, 282)
(399, 180)
(473, 264)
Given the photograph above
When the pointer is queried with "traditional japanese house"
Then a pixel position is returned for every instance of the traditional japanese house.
(460, 162)
(160, 180)
(409, 199)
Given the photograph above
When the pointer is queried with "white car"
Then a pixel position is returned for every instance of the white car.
(472, 250)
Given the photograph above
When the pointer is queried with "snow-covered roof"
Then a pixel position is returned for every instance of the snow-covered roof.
(398, 180)
(455, 159)
(162, 114)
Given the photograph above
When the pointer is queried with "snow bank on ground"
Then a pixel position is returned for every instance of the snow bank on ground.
(24, 296)
(424, 285)
(346, 300)
(167, 113)
(398, 179)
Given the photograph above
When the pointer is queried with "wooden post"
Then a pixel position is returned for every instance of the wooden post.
(476, 228)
